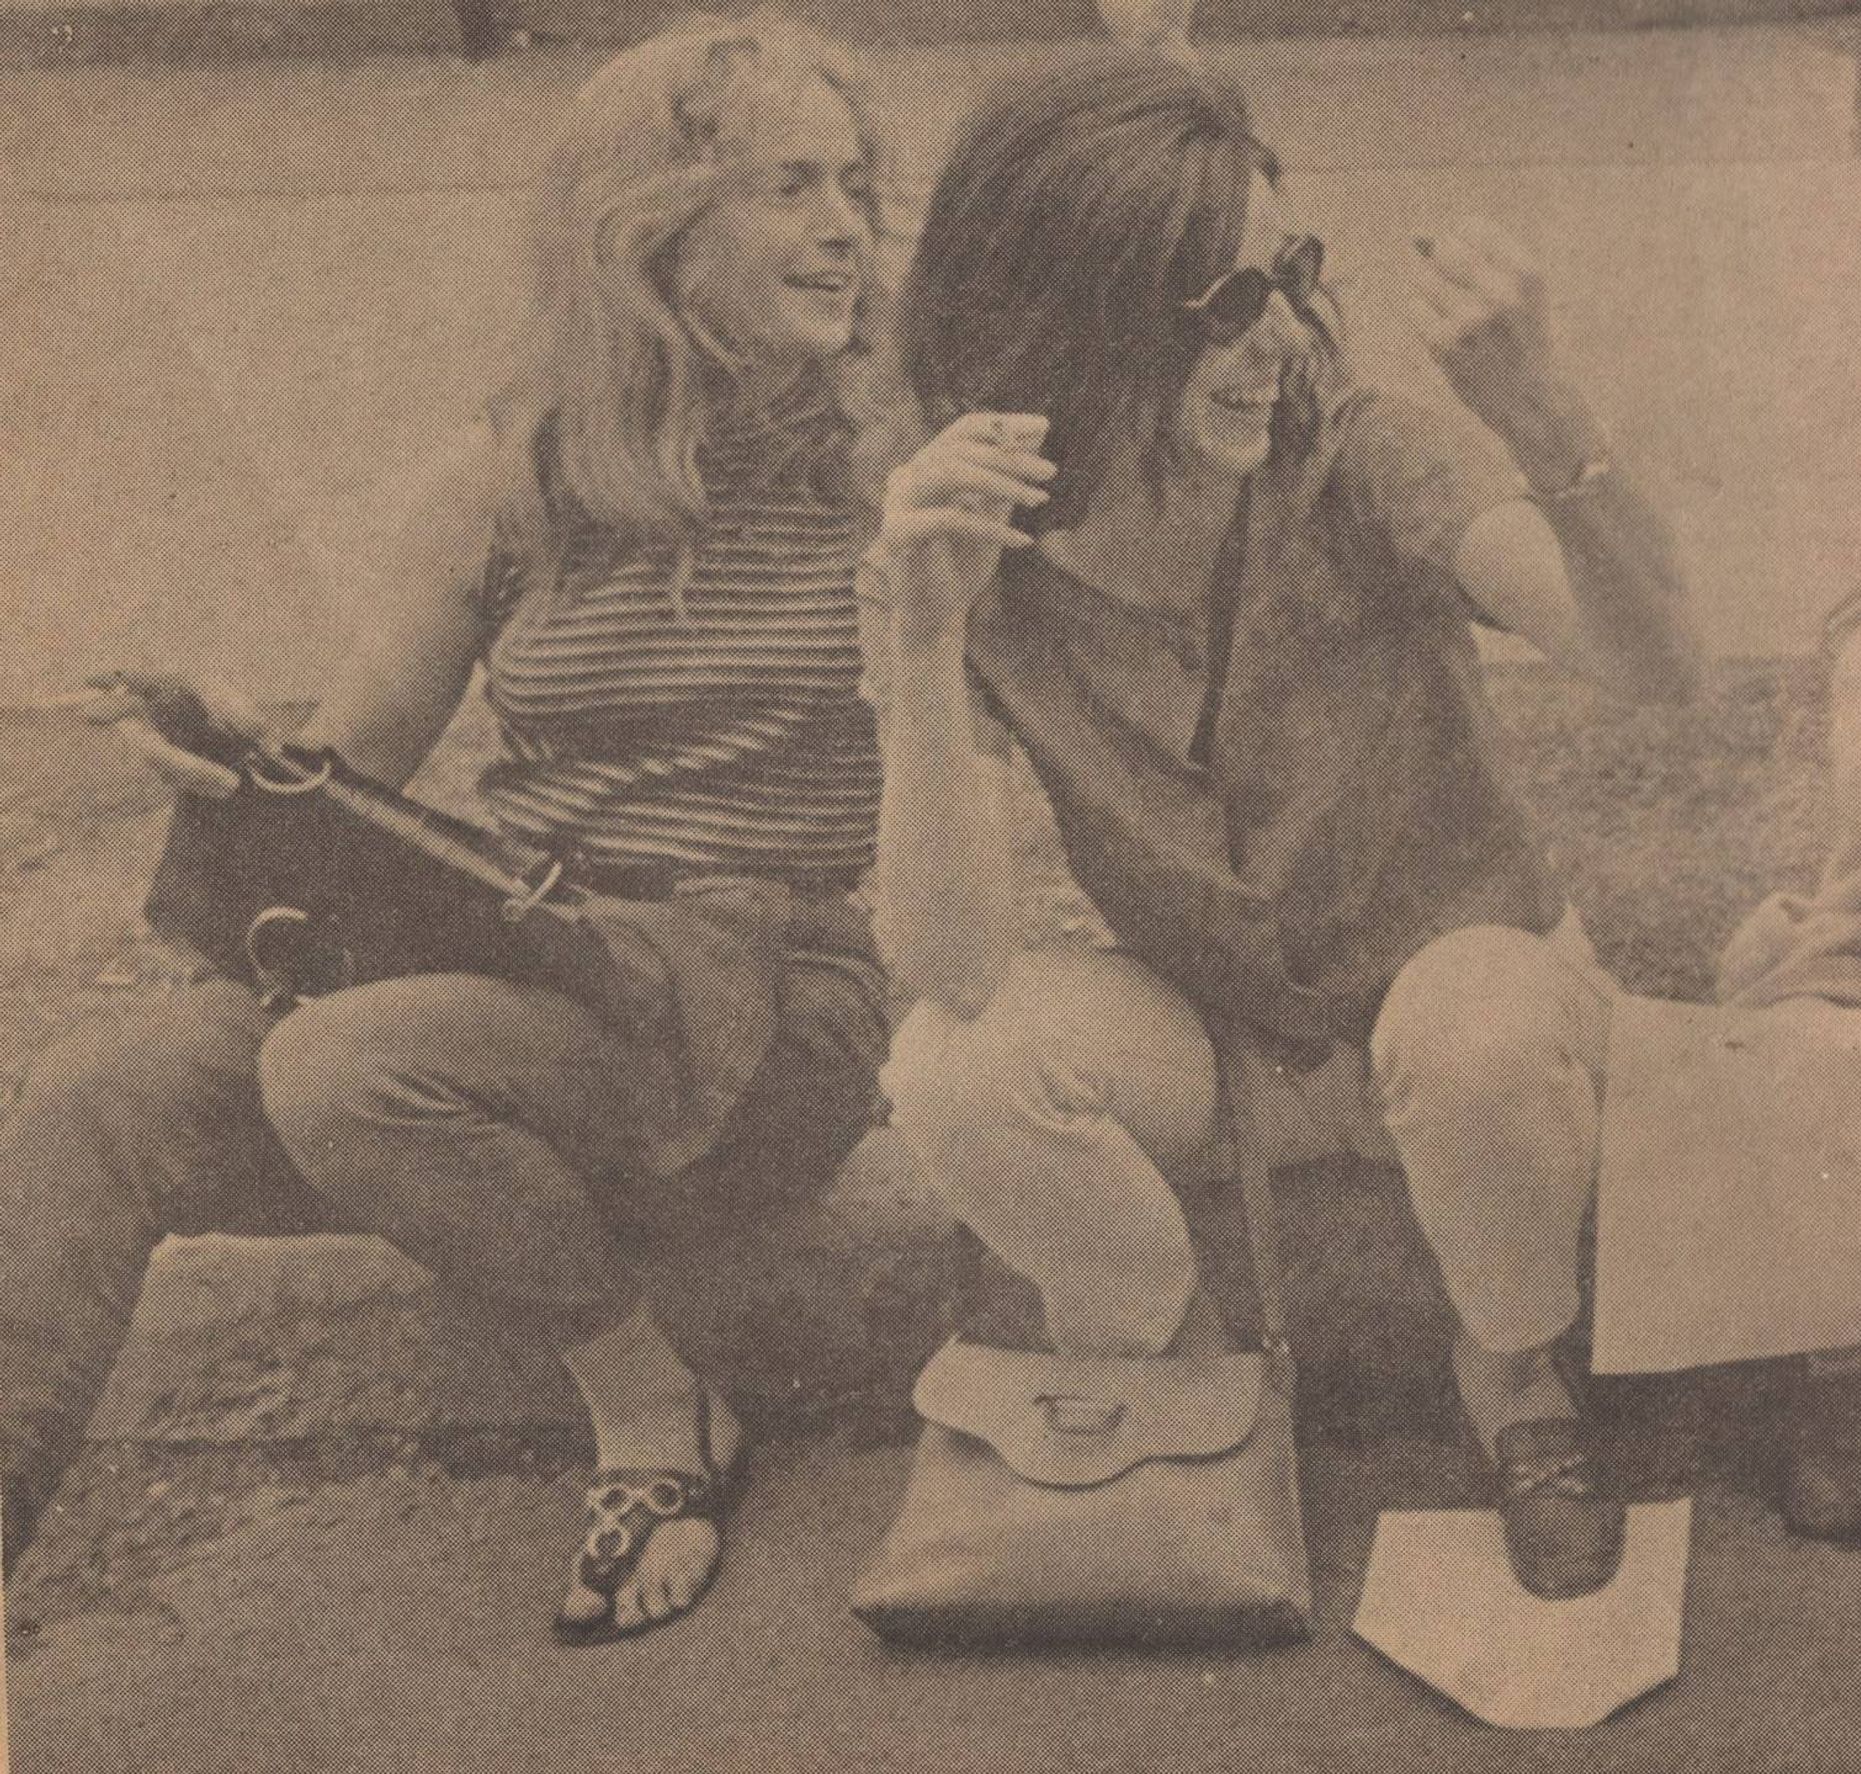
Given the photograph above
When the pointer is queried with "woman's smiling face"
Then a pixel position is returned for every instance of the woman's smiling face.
(774, 269)
(1225, 418)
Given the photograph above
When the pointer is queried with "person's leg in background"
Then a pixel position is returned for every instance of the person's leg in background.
(1488, 1057)
(471, 1122)
(125, 1131)
(1821, 1489)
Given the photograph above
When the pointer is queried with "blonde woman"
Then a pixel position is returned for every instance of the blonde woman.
(649, 546)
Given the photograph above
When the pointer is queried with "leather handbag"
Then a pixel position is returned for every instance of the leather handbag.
(1063, 1499)
(309, 878)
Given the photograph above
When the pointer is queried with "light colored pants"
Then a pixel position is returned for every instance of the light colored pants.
(1050, 1121)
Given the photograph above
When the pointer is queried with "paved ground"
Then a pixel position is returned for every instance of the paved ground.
(364, 1625)
(317, 1508)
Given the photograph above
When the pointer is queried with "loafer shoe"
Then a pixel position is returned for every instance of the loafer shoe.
(1564, 1519)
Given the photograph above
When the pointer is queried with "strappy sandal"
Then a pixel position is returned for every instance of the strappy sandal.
(626, 1506)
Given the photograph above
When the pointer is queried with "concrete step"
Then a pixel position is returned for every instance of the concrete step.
(284, 1341)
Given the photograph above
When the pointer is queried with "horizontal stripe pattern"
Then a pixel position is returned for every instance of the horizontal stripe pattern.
(723, 728)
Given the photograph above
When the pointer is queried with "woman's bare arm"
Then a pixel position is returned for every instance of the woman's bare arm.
(1592, 583)
(1587, 569)
(945, 879)
(412, 657)
(946, 876)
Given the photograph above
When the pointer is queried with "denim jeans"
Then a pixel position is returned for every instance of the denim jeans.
(480, 1126)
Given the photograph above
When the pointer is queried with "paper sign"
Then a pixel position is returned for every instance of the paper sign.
(1440, 1599)
(1728, 1220)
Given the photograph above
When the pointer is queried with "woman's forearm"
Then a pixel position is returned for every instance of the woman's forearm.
(1610, 599)
(1619, 553)
(945, 868)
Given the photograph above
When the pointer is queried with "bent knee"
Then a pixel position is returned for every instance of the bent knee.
(316, 1070)
(1070, 1032)
(946, 1071)
(1473, 1005)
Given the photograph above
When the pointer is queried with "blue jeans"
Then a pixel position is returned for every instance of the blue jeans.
(478, 1125)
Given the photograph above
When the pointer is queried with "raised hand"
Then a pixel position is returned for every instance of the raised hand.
(1482, 311)
(947, 517)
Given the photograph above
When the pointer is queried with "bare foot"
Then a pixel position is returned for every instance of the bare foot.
(674, 1567)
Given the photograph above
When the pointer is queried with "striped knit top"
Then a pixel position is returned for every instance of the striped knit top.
(716, 723)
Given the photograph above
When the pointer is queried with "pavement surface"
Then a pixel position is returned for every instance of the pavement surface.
(320, 1524)
(337, 1623)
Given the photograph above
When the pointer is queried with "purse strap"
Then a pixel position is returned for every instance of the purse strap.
(1255, 1180)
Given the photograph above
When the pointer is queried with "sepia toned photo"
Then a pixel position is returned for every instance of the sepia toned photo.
(952, 889)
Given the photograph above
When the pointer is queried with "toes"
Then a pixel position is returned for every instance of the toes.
(674, 1566)
(677, 1563)
(655, 1599)
(629, 1608)
(582, 1606)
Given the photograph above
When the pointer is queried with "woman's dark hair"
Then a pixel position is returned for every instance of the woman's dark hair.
(1075, 216)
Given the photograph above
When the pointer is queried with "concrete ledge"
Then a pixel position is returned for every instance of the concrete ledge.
(247, 1341)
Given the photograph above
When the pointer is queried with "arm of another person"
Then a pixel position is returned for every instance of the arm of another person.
(1586, 570)
(945, 885)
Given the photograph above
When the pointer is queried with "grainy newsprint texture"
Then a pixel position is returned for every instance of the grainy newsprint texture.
(259, 257)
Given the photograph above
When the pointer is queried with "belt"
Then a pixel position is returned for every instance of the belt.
(660, 880)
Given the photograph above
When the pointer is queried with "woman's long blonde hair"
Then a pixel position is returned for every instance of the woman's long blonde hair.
(615, 378)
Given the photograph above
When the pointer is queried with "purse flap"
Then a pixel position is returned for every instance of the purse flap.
(1083, 1420)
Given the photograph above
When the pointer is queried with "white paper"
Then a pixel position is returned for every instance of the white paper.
(1728, 1223)
(1440, 1599)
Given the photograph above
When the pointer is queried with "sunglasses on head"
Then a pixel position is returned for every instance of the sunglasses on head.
(1237, 298)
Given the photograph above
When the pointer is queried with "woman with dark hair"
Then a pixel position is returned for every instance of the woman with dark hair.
(1226, 610)
(649, 544)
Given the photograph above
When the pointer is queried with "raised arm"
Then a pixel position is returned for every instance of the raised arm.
(945, 879)
(1585, 568)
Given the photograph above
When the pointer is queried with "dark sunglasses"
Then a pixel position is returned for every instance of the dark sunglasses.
(1237, 298)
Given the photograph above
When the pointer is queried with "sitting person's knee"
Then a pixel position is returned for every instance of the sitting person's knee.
(312, 1072)
(947, 1071)
(1473, 1008)
(1071, 1035)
